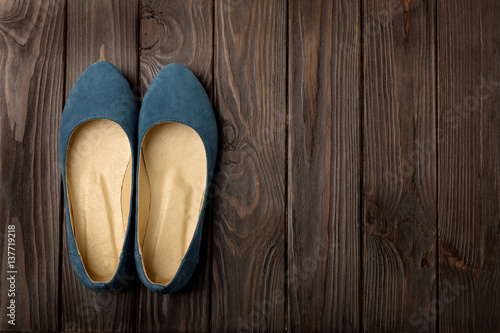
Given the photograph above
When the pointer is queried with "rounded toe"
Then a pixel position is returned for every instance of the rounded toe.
(101, 92)
(176, 94)
(100, 84)
(173, 81)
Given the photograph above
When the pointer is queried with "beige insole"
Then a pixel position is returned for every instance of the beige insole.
(99, 184)
(172, 180)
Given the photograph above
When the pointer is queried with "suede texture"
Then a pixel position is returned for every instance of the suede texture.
(176, 95)
(101, 92)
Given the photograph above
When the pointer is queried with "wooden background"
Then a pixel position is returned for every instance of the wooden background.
(358, 181)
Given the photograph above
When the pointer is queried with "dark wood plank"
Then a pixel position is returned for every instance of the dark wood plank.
(469, 172)
(248, 205)
(180, 32)
(177, 31)
(324, 166)
(102, 30)
(399, 164)
(98, 30)
(31, 97)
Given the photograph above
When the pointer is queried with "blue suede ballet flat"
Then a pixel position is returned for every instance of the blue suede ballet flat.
(97, 156)
(177, 148)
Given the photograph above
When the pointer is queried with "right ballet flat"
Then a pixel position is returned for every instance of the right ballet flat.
(177, 148)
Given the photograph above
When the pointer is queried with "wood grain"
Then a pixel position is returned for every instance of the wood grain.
(469, 159)
(31, 97)
(181, 32)
(102, 30)
(324, 166)
(399, 163)
(248, 189)
(98, 30)
(177, 31)
(332, 115)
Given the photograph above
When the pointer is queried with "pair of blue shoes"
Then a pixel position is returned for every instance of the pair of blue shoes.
(136, 183)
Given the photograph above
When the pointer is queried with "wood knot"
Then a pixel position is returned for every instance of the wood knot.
(375, 218)
(150, 32)
(163, 33)
(429, 258)
(452, 258)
